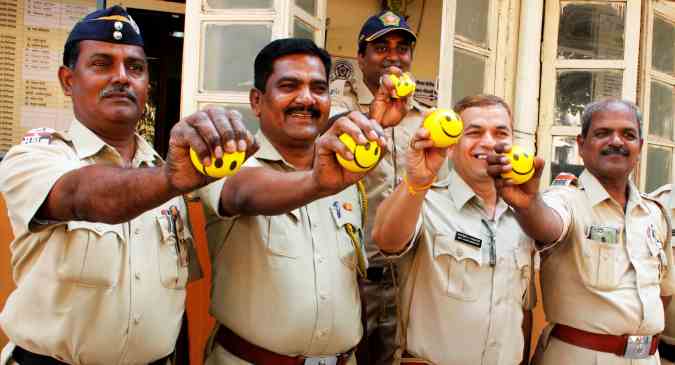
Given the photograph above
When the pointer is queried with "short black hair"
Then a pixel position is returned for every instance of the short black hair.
(264, 61)
(604, 105)
(71, 52)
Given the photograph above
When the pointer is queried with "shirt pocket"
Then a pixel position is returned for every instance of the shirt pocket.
(283, 238)
(602, 264)
(459, 262)
(173, 254)
(92, 254)
(348, 239)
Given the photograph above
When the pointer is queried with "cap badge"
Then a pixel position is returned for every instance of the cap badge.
(117, 35)
(118, 25)
(390, 19)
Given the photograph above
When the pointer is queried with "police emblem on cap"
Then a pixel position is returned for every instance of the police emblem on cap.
(118, 25)
(390, 19)
(117, 35)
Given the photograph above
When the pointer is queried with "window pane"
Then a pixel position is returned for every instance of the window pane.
(302, 30)
(591, 31)
(228, 55)
(575, 89)
(472, 20)
(659, 160)
(565, 156)
(663, 46)
(247, 115)
(661, 110)
(239, 4)
(468, 73)
(307, 5)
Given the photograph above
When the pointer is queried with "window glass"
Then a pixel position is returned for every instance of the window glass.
(468, 74)
(471, 21)
(565, 156)
(661, 110)
(591, 31)
(302, 30)
(239, 4)
(576, 88)
(307, 5)
(659, 162)
(229, 53)
(663, 46)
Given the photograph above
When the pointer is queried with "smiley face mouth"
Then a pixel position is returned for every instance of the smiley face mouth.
(445, 131)
(522, 173)
(362, 164)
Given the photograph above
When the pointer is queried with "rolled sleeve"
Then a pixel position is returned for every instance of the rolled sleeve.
(409, 246)
(668, 282)
(29, 174)
(555, 200)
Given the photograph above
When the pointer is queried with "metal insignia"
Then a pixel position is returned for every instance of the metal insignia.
(117, 35)
(118, 25)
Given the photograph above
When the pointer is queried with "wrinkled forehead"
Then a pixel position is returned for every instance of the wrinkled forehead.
(486, 116)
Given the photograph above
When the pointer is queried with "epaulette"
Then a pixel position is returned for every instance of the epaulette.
(38, 135)
(661, 190)
(565, 179)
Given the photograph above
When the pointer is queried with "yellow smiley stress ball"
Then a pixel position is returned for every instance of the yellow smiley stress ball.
(227, 166)
(404, 85)
(366, 155)
(444, 126)
(522, 165)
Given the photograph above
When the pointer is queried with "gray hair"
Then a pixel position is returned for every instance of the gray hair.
(605, 105)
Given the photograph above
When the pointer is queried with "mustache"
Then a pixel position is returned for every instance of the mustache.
(615, 151)
(118, 89)
(313, 111)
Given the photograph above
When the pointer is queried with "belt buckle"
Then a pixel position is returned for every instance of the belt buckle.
(321, 360)
(637, 347)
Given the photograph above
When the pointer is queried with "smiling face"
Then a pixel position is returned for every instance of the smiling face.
(366, 155)
(293, 110)
(391, 49)
(522, 165)
(108, 85)
(612, 145)
(484, 127)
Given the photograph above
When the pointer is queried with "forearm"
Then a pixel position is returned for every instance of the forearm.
(264, 191)
(106, 194)
(396, 219)
(666, 302)
(540, 222)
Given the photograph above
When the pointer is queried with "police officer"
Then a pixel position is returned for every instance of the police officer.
(102, 250)
(607, 266)
(466, 264)
(285, 232)
(386, 44)
(666, 196)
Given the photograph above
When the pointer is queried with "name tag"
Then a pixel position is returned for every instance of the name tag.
(471, 240)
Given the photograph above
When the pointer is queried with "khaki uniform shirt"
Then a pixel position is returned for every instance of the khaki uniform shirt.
(666, 196)
(288, 282)
(350, 95)
(90, 293)
(611, 287)
(463, 310)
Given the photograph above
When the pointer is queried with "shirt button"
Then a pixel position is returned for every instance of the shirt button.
(137, 276)
(315, 225)
(137, 231)
(323, 296)
(137, 320)
(460, 252)
(320, 258)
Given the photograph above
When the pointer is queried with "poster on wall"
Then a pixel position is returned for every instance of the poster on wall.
(32, 33)
(347, 68)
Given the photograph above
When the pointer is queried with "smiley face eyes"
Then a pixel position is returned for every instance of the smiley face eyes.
(516, 157)
(233, 165)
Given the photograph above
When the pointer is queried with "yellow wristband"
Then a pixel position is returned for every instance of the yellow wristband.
(414, 190)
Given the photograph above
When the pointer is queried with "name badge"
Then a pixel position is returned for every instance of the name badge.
(471, 240)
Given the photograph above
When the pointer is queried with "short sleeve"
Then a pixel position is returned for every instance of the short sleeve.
(556, 200)
(29, 173)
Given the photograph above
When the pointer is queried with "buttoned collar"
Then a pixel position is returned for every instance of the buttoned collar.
(461, 194)
(88, 144)
(268, 152)
(597, 193)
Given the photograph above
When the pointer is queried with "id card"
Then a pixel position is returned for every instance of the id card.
(604, 234)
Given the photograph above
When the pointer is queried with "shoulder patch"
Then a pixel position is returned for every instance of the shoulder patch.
(38, 135)
(565, 179)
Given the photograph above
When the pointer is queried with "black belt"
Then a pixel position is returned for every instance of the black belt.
(25, 357)
(667, 351)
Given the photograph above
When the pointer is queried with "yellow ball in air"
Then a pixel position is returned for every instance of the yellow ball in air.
(226, 166)
(444, 126)
(522, 165)
(366, 155)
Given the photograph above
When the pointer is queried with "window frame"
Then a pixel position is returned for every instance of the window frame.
(547, 131)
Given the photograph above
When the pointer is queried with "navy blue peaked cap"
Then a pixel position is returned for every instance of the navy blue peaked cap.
(112, 25)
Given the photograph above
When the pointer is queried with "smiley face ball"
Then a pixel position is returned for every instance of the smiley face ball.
(522, 165)
(226, 166)
(444, 126)
(404, 85)
(366, 155)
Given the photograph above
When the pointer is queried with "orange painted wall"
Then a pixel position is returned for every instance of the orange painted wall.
(6, 282)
